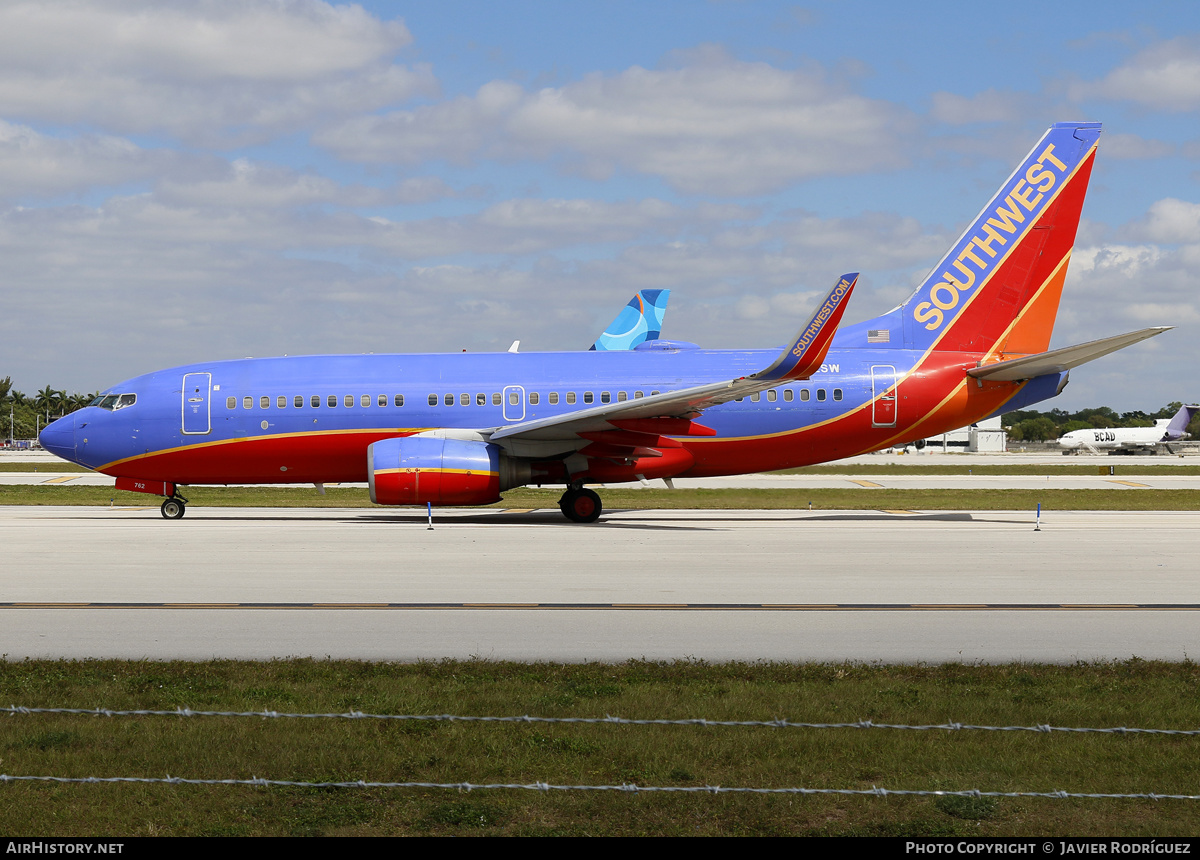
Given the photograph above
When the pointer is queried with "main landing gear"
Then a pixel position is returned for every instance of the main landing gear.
(174, 508)
(580, 505)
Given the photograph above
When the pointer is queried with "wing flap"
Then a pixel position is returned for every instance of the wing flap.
(1058, 360)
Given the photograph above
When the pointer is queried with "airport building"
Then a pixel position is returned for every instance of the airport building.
(985, 437)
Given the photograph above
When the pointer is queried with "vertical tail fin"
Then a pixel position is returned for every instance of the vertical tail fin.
(1179, 423)
(639, 321)
(997, 289)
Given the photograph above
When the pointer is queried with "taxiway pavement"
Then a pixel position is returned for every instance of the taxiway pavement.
(716, 585)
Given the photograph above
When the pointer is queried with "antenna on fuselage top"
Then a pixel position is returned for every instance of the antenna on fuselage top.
(513, 348)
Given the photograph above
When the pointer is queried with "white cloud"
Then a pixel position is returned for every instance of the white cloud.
(1165, 76)
(1133, 146)
(247, 184)
(36, 164)
(988, 106)
(714, 125)
(1169, 221)
(221, 70)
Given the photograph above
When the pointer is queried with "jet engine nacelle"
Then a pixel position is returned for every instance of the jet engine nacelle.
(419, 469)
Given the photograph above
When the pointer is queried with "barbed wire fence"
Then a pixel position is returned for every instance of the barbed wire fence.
(631, 788)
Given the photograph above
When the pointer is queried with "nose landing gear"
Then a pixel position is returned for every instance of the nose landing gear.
(174, 507)
(580, 505)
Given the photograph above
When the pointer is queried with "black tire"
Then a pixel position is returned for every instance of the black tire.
(581, 506)
(173, 509)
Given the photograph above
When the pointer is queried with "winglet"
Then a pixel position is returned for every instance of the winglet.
(803, 357)
(638, 321)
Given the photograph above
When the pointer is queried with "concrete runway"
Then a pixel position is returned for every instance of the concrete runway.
(713, 585)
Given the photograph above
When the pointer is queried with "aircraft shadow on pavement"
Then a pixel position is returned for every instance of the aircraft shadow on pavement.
(543, 519)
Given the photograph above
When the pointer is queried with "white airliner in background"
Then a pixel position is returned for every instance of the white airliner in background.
(1130, 438)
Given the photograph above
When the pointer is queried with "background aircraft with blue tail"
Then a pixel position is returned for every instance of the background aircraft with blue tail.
(460, 429)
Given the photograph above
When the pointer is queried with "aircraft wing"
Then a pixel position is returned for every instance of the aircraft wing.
(799, 360)
(1058, 360)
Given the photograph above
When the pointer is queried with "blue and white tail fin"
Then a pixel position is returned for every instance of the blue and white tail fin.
(639, 321)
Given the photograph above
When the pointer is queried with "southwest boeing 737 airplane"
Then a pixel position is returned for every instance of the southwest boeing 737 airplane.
(460, 429)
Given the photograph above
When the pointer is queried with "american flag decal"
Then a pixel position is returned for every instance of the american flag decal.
(878, 335)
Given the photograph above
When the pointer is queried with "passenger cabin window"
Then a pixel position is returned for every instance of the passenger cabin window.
(348, 401)
(553, 398)
(247, 402)
(755, 397)
(605, 397)
(365, 400)
(805, 394)
(464, 399)
(281, 401)
(622, 397)
(820, 394)
(533, 398)
(298, 401)
(331, 400)
(481, 399)
(449, 399)
(399, 400)
(771, 395)
(571, 397)
(315, 401)
(230, 403)
(495, 398)
(433, 400)
(837, 394)
(637, 395)
(514, 398)
(264, 402)
(788, 395)
(587, 397)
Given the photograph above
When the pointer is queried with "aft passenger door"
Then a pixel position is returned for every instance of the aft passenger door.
(883, 395)
(197, 390)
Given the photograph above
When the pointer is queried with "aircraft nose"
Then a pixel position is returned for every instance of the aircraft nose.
(59, 437)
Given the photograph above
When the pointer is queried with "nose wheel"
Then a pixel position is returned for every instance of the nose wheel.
(173, 509)
(580, 505)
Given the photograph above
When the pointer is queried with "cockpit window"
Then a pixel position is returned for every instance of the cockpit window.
(114, 401)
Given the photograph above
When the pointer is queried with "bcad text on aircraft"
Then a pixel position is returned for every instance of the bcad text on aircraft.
(460, 429)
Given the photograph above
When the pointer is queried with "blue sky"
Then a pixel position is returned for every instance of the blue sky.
(217, 179)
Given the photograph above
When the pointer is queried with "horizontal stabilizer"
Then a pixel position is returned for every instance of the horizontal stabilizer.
(1058, 360)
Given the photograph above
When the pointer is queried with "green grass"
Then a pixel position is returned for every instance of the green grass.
(617, 499)
(965, 467)
(1133, 693)
(53, 467)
